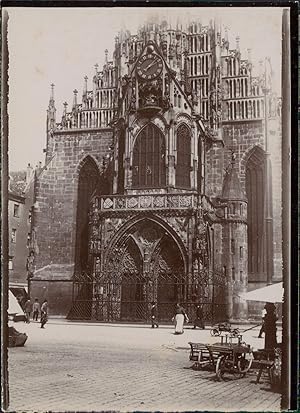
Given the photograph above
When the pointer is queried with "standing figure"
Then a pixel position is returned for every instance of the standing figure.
(36, 308)
(27, 309)
(44, 313)
(199, 318)
(262, 329)
(154, 322)
(270, 327)
(180, 317)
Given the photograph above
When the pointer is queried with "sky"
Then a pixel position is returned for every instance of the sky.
(62, 45)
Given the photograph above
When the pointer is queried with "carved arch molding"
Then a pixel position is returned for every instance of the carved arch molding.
(146, 251)
(145, 265)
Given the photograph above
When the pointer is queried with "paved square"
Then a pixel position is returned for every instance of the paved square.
(97, 367)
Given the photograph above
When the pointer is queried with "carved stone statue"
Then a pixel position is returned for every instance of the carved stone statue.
(30, 265)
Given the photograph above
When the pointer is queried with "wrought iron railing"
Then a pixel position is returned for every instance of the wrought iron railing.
(110, 305)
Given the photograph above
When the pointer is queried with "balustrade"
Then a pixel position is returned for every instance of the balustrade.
(150, 201)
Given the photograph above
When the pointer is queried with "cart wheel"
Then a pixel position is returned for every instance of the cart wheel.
(215, 332)
(244, 363)
(220, 367)
(235, 332)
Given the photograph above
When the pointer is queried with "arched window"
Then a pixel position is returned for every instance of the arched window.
(183, 166)
(88, 182)
(255, 190)
(148, 166)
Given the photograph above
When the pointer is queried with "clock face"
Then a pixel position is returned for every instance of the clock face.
(149, 67)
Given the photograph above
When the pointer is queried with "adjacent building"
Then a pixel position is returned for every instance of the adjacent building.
(162, 183)
(20, 204)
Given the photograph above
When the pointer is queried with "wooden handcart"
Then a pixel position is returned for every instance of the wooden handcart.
(233, 358)
(230, 355)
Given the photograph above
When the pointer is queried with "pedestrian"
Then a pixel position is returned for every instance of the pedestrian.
(36, 308)
(198, 322)
(27, 309)
(180, 317)
(270, 327)
(44, 313)
(262, 329)
(154, 322)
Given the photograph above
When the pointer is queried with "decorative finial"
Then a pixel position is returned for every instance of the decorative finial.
(75, 91)
(85, 84)
(249, 55)
(65, 106)
(237, 42)
(52, 91)
(96, 67)
(106, 54)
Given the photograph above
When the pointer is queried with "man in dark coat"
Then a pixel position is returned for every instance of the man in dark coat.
(270, 327)
(199, 318)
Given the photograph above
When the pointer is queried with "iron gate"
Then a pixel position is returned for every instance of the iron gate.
(128, 299)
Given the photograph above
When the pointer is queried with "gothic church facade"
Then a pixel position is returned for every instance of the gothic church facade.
(157, 185)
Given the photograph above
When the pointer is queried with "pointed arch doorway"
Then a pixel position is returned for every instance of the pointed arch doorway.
(255, 190)
(145, 265)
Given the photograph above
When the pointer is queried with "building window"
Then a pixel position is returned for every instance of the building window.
(16, 210)
(28, 239)
(30, 217)
(183, 167)
(13, 235)
(148, 166)
(233, 273)
(232, 246)
(10, 263)
(241, 252)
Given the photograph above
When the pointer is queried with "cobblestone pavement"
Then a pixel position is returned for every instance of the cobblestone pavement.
(97, 367)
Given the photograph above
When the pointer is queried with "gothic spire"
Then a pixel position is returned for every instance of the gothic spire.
(51, 112)
(51, 100)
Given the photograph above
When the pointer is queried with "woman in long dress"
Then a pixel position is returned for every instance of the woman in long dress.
(180, 317)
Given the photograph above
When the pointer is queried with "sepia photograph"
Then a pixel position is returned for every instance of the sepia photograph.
(147, 227)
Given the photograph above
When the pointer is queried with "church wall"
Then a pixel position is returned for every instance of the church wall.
(56, 207)
(241, 138)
